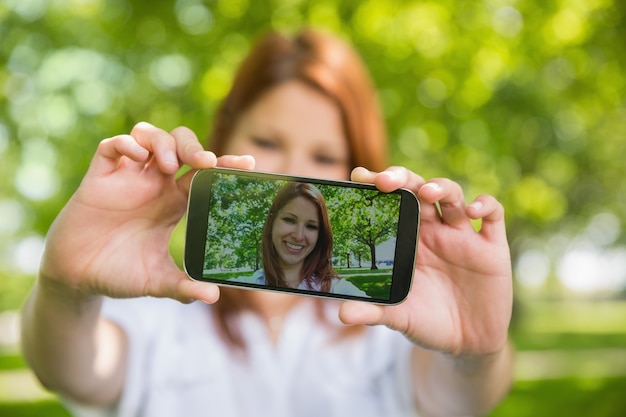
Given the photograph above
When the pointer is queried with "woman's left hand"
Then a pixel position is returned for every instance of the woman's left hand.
(461, 299)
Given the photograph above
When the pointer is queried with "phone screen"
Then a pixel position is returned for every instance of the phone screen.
(334, 239)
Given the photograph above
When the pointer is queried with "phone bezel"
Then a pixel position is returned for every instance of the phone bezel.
(197, 223)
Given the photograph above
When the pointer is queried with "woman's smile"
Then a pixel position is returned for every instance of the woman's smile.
(293, 247)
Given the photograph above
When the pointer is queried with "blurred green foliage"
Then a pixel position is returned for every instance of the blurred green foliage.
(570, 396)
(48, 408)
(522, 100)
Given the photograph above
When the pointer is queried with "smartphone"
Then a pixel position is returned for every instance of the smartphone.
(308, 236)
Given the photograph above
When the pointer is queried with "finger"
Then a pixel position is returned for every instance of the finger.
(358, 313)
(190, 151)
(160, 143)
(491, 213)
(177, 285)
(390, 179)
(449, 195)
(360, 174)
(195, 290)
(110, 151)
(396, 177)
(236, 161)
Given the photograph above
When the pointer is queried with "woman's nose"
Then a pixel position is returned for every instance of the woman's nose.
(296, 164)
(298, 232)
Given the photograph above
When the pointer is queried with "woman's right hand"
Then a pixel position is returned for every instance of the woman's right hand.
(112, 236)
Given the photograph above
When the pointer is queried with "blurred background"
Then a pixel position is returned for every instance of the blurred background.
(524, 100)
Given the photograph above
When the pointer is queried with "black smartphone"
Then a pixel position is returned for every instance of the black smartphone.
(308, 236)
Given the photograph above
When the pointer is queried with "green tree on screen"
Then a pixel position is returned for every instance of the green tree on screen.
(361, 220)
(236, 217)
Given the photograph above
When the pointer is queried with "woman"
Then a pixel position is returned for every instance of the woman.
(302, 107)
(298, 244)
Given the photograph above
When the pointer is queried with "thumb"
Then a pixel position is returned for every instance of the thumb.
(191, 290)
(356, 312)
(179, 286)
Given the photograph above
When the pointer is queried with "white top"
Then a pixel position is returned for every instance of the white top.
(338, 285)
(179, 366)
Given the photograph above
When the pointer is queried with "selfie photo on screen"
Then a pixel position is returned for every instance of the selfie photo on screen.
(303, 236)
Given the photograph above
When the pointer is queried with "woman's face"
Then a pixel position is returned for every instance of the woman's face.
(295, 231)
(294, 129)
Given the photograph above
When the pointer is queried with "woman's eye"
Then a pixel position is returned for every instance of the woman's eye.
(326, 160)
(288, 220)
(312, 227)
(264, 142)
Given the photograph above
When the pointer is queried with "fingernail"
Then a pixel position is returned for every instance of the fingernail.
(144, 124)
(170, 158)
(477, 205)
(138, 149)
(433, 185)
(391, 174)
(247, 158)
